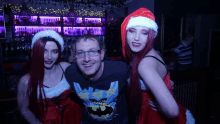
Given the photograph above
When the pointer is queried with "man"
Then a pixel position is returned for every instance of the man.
(100, 84)
(184, 53)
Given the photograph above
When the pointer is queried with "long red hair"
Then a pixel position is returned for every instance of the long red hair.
(134, 90)
(36, 73)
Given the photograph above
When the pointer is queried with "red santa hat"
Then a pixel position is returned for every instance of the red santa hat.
(140, 17)
(48, 33)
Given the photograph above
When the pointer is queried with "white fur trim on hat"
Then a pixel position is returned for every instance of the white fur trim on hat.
(48, 33)
(142, 21)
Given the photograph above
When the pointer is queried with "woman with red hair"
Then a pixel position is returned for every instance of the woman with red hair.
(43, 93)
(149, 81)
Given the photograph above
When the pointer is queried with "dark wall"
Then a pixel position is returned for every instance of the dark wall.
(202, 46)
(135, 4)
(203, 16)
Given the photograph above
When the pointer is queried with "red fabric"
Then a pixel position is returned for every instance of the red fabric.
(149, 116)
(71, 110)
(139, 12)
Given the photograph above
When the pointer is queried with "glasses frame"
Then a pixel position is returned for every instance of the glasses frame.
(89, 53)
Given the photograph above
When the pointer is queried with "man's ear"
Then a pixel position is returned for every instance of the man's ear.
(102, 54)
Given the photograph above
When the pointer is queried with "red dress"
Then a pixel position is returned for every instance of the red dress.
(61, 110)
(150, 116)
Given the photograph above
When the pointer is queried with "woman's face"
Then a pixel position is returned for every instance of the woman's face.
(50, 54)
(137, 38)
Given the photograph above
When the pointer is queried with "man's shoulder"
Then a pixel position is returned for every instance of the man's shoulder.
(116, 66)
(71, 71)
(71, 68)
(111, 63)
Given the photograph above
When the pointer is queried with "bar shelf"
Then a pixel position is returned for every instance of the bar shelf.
(32, 30)
(66, 26)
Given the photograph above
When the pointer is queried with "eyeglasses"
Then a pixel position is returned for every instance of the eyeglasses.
(91, 53)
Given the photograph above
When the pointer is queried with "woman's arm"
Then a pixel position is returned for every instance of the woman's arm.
(23, 101)
(149, 73)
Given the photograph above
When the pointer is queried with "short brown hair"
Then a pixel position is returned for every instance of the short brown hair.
(91, 37)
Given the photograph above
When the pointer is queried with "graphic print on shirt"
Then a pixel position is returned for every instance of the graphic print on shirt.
(100, 104)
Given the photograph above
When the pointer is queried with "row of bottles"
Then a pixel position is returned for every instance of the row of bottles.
(81, 21)
(25, 20)
(16, 49)
(56, 21)
(2, 28)
(32, 30)
(1, 20)
(67, 31)
(19, 49)
(2, 31)
(77, 31)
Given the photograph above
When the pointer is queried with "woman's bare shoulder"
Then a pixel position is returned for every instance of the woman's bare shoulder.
(152, 65)
(148, 64)
(23, 82)
(64, 65)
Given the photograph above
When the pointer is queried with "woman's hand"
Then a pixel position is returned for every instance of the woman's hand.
(154, 105)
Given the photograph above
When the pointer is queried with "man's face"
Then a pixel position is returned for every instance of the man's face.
(90, 65)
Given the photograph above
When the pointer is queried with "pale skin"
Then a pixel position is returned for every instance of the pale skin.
(152, 72)
(52, 77)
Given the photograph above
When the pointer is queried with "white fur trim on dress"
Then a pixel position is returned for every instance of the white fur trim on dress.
(142, 21)
(48, 33)
(189, 117)
(55, 91)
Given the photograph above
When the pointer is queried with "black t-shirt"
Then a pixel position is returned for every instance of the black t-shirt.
(104, 99)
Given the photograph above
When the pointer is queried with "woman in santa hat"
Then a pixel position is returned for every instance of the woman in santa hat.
(149, 80)
(43, 93)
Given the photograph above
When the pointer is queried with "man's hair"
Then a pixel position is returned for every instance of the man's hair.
(91, 37)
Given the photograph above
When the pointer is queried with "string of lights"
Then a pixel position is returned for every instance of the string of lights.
(63, 7)
(51, 11)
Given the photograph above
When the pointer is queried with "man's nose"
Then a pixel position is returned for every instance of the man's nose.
(86, 56)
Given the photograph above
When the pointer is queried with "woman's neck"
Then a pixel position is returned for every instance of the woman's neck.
(50, 71)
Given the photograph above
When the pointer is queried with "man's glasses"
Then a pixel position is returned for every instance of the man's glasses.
(91, 53)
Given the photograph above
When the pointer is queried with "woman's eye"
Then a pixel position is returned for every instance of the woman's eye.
(145, 33)
(55, 51)
(131, 30)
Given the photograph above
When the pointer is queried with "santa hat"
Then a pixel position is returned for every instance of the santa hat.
(48, 33)
(140, 17)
